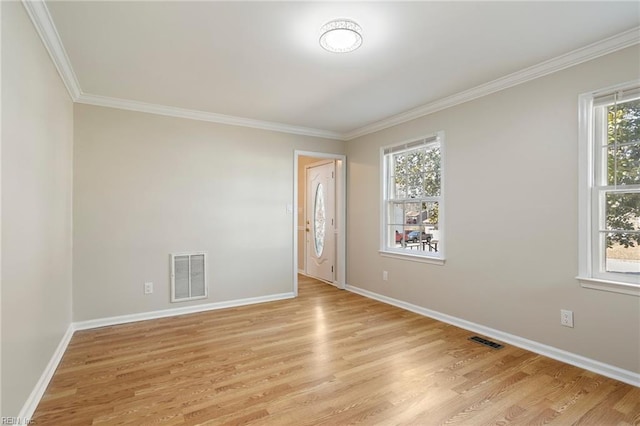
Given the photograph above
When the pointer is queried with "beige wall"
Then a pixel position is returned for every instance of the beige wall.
(511, 216)
(146, 186)
(37, 143)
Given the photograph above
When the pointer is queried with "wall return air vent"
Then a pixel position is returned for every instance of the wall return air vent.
(188, 276)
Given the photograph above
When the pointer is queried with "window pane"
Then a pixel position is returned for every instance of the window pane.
(417, 232)
(623, 122)
(413, 214)
(623, 139)
(623, 212)
(419, 241)
(431, 216)
(396, 214)
(398, 172)
(431, 169)
(417, 173)
(623, 254)
(623, 164)
(397, 236)
(421, 215)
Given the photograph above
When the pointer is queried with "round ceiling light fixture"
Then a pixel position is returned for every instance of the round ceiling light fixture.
(340, 36)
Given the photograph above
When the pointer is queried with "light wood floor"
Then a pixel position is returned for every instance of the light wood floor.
(329, 357)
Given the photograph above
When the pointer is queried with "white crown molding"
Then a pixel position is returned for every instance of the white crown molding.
(576, 57)
(43, 23)
(130, 105)
(602, 368)
(39, 14)
(41, 19)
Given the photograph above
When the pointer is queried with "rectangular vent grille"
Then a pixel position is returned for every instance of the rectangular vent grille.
(486, 342)
(188, 276)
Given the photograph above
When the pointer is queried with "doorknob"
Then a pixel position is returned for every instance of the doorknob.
(307, 229)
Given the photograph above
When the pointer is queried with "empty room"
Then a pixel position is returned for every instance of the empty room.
(320, 213)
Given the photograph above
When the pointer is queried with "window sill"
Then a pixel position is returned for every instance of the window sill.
(612, 286)
(412, 257)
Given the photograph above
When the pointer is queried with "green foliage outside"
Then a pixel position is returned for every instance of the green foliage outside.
(417, 174)
(623, 169)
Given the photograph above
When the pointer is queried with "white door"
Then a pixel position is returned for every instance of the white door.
(320, 221)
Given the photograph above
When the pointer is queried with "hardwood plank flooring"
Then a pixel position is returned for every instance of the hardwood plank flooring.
(328, 357)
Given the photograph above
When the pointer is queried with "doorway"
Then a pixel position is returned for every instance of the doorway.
(319, 231)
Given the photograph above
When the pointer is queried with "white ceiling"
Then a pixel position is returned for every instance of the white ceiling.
(262, 61)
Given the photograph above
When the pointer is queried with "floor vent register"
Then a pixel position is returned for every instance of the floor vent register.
(486, 342)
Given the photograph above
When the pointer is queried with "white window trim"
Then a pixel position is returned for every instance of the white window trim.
(412, 257)
(587, 277)
(436, 258)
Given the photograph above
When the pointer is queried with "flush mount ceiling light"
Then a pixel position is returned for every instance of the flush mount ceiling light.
(340, 36)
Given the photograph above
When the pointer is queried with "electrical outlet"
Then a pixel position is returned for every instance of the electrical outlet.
(385, 276)
(566, 318)
(148, 288)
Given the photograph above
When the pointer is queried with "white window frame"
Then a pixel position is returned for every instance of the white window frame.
(387, 250)
(591, 270)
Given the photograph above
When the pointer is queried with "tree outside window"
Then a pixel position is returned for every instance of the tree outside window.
(413, 197)
(622, 181)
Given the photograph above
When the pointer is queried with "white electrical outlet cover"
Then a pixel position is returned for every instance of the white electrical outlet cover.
(566, 317)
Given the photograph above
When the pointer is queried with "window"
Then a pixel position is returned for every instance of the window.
(610, 189)
(412, 208)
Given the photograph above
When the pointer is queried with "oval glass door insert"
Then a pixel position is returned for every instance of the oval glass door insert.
(319, 221)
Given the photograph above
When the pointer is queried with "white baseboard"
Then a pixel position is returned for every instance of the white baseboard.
(32, 402)
(143, 316)
(607, 370)
(41, 386)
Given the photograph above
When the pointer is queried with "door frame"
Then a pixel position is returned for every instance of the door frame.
(341, 214)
